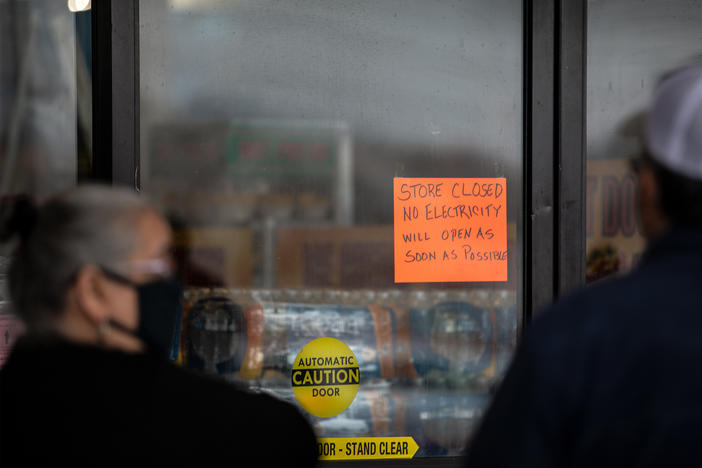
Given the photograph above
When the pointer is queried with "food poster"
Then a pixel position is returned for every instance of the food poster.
(613, 236)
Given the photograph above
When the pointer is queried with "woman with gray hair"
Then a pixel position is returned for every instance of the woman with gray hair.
(92, 279)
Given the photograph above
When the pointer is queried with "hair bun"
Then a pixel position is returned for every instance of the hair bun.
(18, 214)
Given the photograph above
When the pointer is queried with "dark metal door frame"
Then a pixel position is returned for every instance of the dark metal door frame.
(553, 150)
(115, 34)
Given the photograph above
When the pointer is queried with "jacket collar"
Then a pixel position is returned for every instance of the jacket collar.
(678, 240)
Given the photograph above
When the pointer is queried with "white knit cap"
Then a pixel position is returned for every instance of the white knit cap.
(674, 122)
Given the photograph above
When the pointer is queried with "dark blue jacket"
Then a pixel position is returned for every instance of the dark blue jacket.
(609, 376)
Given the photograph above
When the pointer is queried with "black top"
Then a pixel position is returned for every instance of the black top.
(65, 402)
(609, 376)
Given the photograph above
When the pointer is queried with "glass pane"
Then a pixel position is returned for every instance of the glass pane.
(45, 119)
(46, 111)
(272, 133)
(629, 48)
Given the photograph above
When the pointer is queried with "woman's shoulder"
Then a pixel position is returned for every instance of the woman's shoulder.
(212, 393)
(179, 413)
(218, 413)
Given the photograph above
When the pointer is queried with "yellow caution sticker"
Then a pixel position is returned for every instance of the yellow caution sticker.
(366, 448)
(325, 377)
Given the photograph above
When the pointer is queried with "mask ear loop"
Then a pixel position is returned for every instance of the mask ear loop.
(104, 326)
(113, 275)
(102, 332)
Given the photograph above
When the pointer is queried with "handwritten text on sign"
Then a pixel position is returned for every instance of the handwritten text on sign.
(449, 229)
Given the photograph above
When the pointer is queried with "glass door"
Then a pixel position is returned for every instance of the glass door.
(346, 182)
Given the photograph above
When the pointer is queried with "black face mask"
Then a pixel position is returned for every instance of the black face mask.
(160, 312)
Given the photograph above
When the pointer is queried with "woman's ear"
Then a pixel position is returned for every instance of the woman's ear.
(89, 291)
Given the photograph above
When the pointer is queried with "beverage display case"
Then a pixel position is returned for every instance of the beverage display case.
(427, 360)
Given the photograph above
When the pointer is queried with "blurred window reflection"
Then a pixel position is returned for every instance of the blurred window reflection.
(629, 48)
(45, 112)
(46, 116)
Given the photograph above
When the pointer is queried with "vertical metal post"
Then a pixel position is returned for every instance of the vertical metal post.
(539, 157)
(115, 35)
(572, 40)
(554, 149)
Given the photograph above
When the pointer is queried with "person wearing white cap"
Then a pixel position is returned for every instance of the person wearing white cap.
(612, 375)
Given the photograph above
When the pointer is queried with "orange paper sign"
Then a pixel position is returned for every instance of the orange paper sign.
(450, 230)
